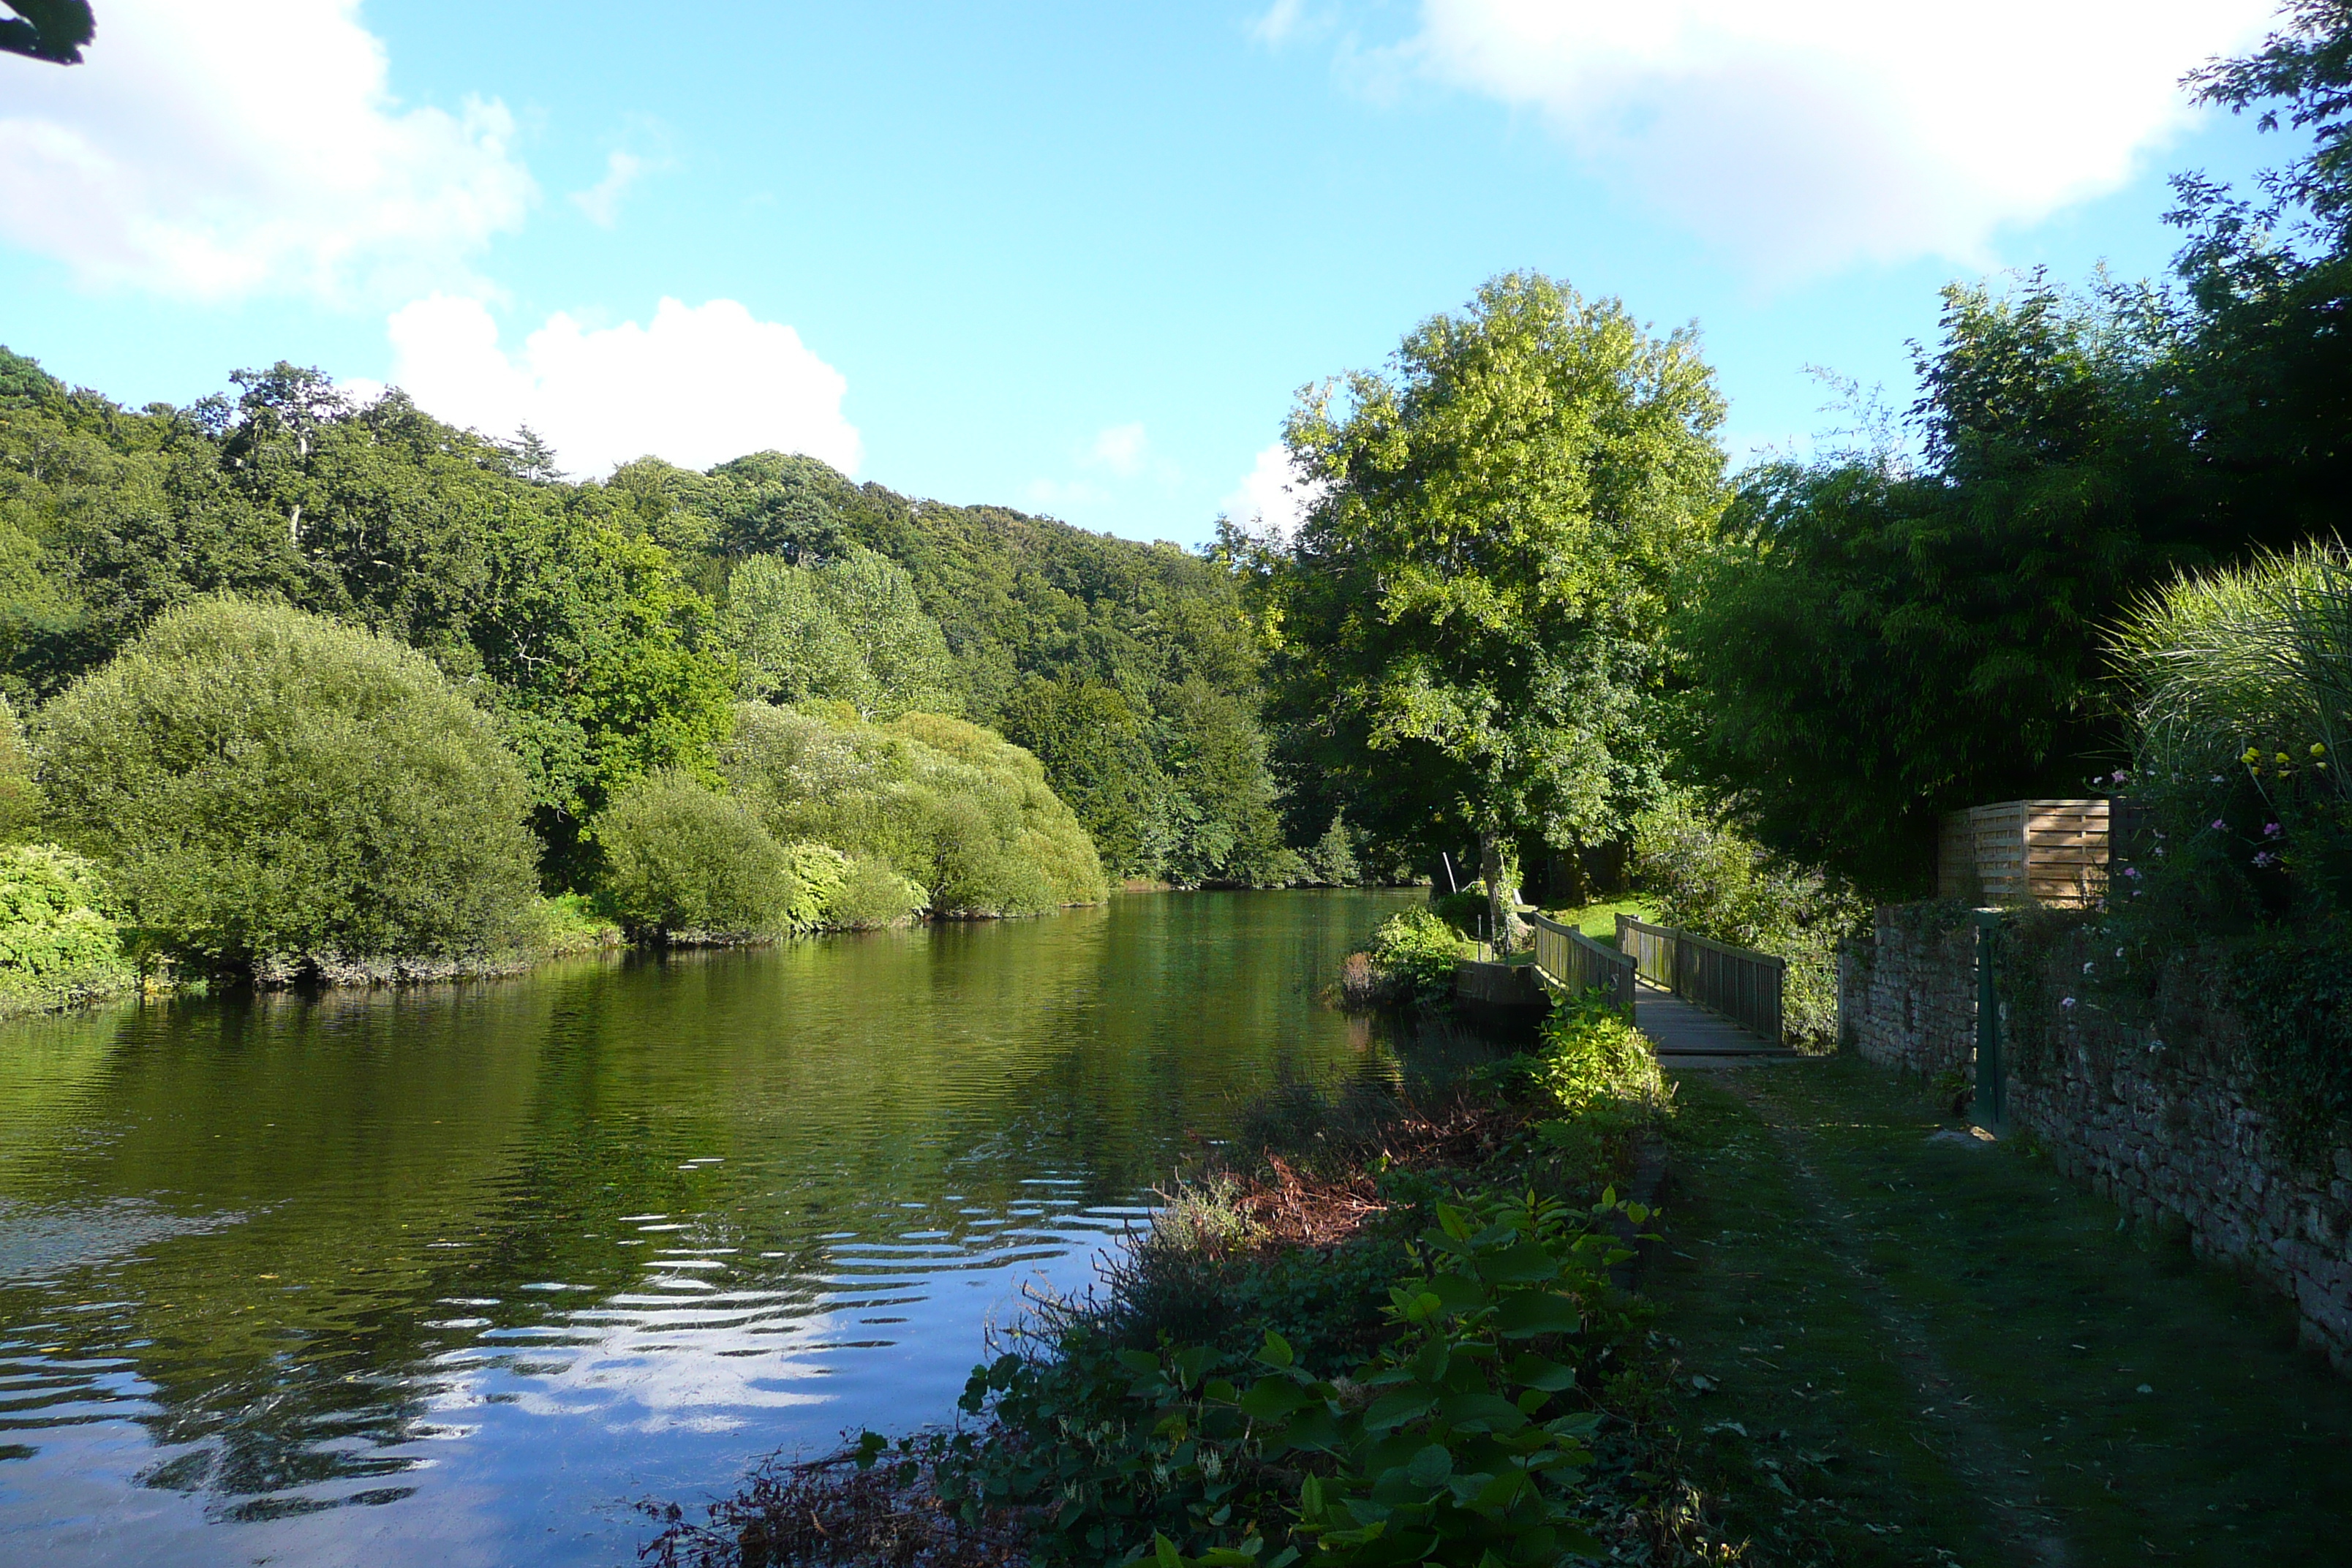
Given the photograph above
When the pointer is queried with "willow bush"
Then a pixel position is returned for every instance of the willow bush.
(954, 808)
(268, 792)
(682, 860)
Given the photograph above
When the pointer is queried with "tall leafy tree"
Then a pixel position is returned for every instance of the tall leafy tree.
(1470, 616)
(850, 630)
(1096, 752)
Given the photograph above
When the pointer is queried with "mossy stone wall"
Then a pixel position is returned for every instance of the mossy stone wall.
(2153, 1113)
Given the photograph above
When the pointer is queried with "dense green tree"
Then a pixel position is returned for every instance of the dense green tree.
(20, 794)
(1470, 613)
(595, 620)
(1224, 827)
(578, 631)
(849, 629)
(876, 605)
(1018, 599)
(1095, 750)
(2266, 380)
(1331, 859)
(789, 645)
(269, 790)
(1876, 643)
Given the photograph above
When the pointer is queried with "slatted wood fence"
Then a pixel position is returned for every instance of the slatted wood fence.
(2025, 851)
(1745, 986)
(1576, 963)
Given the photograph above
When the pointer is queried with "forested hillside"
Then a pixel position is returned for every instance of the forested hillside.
(609, 627)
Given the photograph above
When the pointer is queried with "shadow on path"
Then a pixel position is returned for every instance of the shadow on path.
(1906, 1352)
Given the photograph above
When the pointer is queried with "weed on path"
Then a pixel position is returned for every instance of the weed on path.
(1905, 1351)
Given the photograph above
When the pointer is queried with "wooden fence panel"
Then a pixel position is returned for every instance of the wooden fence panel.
(2025, 851)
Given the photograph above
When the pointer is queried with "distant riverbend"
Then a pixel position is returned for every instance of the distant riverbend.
(453, 1274)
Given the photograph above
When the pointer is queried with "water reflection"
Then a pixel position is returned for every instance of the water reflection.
(502, 1258)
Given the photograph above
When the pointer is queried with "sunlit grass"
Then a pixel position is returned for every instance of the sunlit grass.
(1598, 921)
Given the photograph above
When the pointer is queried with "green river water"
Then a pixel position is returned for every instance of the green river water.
(456, 1274)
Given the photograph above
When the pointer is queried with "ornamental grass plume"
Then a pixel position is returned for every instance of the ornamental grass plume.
(2221, 662)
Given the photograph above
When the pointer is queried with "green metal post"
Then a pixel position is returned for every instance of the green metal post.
(1991, 1106)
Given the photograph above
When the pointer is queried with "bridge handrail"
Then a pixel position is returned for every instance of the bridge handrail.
(1744, 985)
(1576, 963)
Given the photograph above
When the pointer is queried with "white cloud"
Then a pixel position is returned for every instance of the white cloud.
(1810, 133)
(1282, 19)
(1272, 497)
(697, 386)
(1121, 448)
(600, 202)
(247, 146)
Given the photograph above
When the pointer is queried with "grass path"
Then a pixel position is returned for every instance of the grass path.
(1907, 1351)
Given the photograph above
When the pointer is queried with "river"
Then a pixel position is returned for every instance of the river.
(456, 1275)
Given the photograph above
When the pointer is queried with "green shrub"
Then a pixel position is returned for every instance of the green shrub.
(1590, 1056)
(57, 944)
(1463, 1440)
(1707, 876)
(1415, 955)
(1598, 1073)
(871, 896)
(2241, 681)
(682, 859)
(270, 790)
(569, 923)
(848, 892)
(1462, 911)
(948, 806)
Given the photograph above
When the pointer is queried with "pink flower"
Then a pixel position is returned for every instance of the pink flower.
(2220, 826)
(2270, 829)
(2069, 1002)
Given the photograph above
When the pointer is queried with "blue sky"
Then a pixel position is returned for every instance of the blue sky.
(1073, 258)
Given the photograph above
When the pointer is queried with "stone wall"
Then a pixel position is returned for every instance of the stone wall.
(2154, 1116)
(1907, 994)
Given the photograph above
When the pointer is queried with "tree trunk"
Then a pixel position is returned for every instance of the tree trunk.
(1498, 863)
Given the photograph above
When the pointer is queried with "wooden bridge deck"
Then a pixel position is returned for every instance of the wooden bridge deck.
(1686, 1036)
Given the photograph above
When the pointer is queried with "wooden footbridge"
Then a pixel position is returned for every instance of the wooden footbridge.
(1702, 1003)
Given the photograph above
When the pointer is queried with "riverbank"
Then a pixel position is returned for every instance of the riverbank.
(565, 927)
(1391, 1319)
(1856, 1336)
